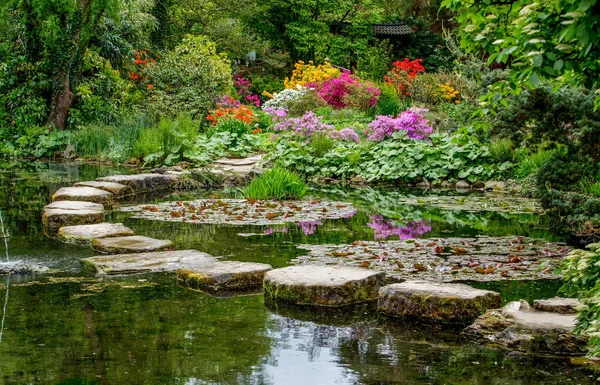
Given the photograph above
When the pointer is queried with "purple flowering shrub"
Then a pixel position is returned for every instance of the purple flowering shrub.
(385, 228)
(345, 134)
(411, 121)
(347, 90)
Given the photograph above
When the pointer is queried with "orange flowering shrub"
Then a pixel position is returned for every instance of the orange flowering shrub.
(241, 113)
(141, 61)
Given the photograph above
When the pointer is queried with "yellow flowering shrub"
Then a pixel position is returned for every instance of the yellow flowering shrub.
(448, 93)
(309, 73)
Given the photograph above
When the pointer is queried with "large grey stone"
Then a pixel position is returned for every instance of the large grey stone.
(53, 219)
(153, 262)
(433, 301)
(86, 194)
(142, 183)
(557, 305)
(117, 189)
(224, 276)
(84, 234)
(133, 244)
(494, 185)
(519, 327)
(323, 285)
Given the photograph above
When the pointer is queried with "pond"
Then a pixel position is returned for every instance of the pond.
(68, 328)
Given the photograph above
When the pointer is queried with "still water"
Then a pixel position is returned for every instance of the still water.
(68, 328)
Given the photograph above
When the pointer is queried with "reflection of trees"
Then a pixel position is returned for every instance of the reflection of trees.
(148, 335)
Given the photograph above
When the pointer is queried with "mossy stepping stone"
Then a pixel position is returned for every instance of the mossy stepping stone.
(133, 244)
(74, 205)
(54, 218)
(323, 285)
(224, 276)
(86, 194)
(117, 189)
(434, 301)
(84, 234)
(142, 183)
(152, 262)
(557, 305)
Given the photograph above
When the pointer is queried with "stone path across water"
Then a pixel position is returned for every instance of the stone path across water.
(448, 259)
(130, 244)
(84, 234)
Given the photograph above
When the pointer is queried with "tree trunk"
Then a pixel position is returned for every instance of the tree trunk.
(63, 99)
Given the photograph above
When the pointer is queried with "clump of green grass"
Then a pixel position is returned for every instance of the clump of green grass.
(529, 164)
(276, 183)
(501, 151)
(590, 187)
(321, 144)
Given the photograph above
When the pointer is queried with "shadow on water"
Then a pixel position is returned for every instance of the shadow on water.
(73, 329)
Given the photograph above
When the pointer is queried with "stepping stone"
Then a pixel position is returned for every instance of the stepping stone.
(74, 205)
(86, 194)
(323, 285)
(55, 218)
(557, 305)
(434, 301)
(117, 189)
(133, 244)
(517, 326)
(84, 234)
(224, 276)
(153, 262)
(142, 183)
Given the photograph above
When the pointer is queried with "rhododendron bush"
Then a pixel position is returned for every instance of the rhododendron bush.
(347, 91)
(402, 75)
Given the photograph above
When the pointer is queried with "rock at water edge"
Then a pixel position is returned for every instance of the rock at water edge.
(142, 183)
(557, 305)
(84, 234)
(323, 285)
(224, 276)
(133, 244)
(433, 301)
(517, 326)
(153, 262)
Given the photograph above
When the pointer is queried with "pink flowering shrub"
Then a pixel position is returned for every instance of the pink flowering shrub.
(384, 228)
(345, 134)
(411, 121)
(347, 91)
(242, 86)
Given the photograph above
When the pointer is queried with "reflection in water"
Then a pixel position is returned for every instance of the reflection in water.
(385, 228)
(309, 228)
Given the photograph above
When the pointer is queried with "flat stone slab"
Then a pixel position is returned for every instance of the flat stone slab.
(224, 276)
(434, 301)
(53, 219)
(242, 211)
(449, 259)
(557, 305)
(117, 189)
(86, 194)
(323, 285)
(153, 262)
(517, 326)
(74, 205)
(84, 234)
(142, 183)
(133, 244)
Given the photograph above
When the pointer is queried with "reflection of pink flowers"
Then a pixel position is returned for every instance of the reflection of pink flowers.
(309, 228)
(385, 228)
(272, 230)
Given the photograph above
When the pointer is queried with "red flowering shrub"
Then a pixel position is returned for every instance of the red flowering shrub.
(402, 75)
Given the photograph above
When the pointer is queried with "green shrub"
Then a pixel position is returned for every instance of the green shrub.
(188, 79)
(388, 103)
(308, 101)
(276, 183)
(530, 164)
(590, 187)
(321, 144)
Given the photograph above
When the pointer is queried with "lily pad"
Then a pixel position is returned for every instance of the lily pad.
(448, 259)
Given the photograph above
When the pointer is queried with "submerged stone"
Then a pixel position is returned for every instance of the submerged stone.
(86, 194)
(153, 262)
(53, 219)
(117, 189)
(224, 276)
(323, 285)
(132, 244)
(433, 301)
(20, 268)
(557, 305)
(142, 183)
(519, 327)
(84, 234)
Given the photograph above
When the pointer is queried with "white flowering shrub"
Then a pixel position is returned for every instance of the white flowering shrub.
(286, 98)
